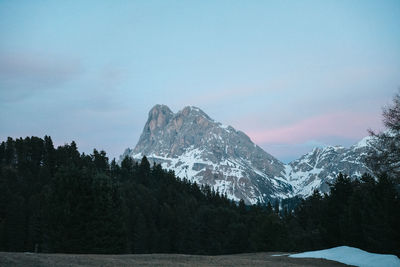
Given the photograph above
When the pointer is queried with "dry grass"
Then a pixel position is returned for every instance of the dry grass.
(251, 259)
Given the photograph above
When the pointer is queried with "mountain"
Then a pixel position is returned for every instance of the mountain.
(319, 167)
(204, 151)
(199, 149)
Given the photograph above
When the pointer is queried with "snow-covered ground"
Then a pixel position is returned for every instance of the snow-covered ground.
(352, 256)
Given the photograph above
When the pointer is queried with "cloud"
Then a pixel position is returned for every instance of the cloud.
(23, 74)
(350, 125)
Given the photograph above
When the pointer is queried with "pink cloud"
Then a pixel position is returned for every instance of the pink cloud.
(341, 124)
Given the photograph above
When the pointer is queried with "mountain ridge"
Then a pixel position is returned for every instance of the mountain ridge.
(207, 152)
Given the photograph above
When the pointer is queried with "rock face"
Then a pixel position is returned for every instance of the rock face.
(199, 149)
(204, 151)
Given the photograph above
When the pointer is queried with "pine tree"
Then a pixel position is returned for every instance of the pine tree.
(144, 167)
(269, 208)
(276, 206)
(14, 225)
(141, 234)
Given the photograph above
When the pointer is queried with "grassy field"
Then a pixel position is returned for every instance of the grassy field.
(251, 259)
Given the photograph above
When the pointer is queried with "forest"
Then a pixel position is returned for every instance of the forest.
(60, 200)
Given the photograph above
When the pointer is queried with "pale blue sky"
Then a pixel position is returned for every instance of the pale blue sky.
(291, 74)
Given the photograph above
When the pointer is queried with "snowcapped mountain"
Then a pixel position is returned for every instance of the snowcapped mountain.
(207, 152)
(321, 166)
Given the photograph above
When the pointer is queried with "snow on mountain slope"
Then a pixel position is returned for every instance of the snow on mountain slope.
(199, 149)
(207, 152)
(321, 166)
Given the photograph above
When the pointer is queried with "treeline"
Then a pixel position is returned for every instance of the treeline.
(59, 200)
(362, 213)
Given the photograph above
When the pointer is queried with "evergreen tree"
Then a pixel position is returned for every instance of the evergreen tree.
(58, 200)
(276, 206)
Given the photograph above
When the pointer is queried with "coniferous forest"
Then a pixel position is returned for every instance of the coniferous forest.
(59, 200)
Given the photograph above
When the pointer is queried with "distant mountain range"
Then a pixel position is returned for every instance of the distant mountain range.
(202, 150)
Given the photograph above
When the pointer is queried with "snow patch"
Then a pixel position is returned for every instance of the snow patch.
(365, 142)
(352, 256)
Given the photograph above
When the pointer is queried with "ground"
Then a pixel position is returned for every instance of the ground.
(251, 259)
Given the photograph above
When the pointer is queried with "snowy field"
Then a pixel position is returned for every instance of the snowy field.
(352, 256)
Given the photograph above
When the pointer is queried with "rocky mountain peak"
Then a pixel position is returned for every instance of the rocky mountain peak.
(191, 111)
(207, 152)
(318, 168)
(159, 116)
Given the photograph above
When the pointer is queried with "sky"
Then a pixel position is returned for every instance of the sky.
(290, 74)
